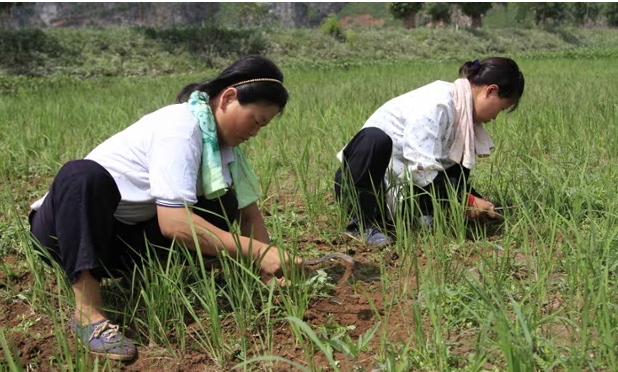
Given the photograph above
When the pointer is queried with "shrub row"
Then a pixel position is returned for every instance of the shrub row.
(123, 51)
(143, 51)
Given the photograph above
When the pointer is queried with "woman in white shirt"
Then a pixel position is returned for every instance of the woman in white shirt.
(423, 143)
(176, 167)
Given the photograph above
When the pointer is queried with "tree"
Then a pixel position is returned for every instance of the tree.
(584, 12)
(405, 11)
(476, 11)
(523, 13)
(611, 14)
(439, 12)
(543, 12)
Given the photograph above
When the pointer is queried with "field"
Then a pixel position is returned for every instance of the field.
(536, 293)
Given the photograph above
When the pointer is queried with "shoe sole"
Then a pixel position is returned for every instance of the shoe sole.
(123, 358)
(381, 245)
(356, 238)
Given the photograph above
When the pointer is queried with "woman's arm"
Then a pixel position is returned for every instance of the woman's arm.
(175, 223)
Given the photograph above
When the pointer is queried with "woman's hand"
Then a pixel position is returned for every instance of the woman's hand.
(275, 263)
(481, 209)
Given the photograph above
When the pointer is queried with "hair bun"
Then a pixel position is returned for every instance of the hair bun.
(500, 71)
(470, 68)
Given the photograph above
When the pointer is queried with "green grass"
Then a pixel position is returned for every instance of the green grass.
(540, 295)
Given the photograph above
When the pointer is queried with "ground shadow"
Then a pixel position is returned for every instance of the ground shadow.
(361, 272)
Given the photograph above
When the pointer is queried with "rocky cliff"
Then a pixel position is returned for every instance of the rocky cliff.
(54, 14)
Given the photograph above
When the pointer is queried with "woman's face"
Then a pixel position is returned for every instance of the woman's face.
(237, 123)
(487, 104)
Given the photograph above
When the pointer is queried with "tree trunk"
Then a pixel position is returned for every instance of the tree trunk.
(477, 22)
(409, 21)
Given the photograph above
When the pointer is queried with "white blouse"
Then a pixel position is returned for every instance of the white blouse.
(156, 161)
(420, 123)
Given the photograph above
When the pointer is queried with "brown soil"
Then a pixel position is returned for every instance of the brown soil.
(356, 302)
(349, 304)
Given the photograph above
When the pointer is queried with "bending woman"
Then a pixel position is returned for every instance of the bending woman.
(425, 141)
(139, 182)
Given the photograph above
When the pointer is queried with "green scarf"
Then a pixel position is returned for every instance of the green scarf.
(244, 181)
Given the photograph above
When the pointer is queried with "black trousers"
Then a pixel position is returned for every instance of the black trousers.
(359, 183)
(76, 223)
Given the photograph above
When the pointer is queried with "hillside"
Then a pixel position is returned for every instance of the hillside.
(135, 51)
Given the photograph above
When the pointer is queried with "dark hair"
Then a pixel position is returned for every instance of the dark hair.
(503, 72)
(243, 69)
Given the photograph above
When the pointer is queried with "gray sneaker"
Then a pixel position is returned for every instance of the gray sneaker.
(371, 236)
(104, 339)
(425, 221)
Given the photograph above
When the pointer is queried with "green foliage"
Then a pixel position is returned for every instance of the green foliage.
(439, 12)
(549, 12)
(524, 13)
(10, 354)
(332, 27)
(584, 12)
(474, 9)
(559, 14)
(208, 43)
(313, 17)
(503, 15)
(26, 52)
(124, 51)
(611, 14)
(351, 38)
(403, 10)
(540, 294)
(149, 51)
(243, 15)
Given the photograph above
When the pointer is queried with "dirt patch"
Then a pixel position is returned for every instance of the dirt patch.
(361, 20)
(355, 305)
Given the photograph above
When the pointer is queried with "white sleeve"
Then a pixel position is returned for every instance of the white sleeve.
(423, 138)
(173, 170)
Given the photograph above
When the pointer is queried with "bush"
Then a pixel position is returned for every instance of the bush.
(27, 52)
(331, 27)
(611, 13)
(209, 43)
(351, 38)
(439, 12)
(129, 51)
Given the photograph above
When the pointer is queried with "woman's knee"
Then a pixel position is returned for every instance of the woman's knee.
(378, 139)
(86, 174)
(84, 169)
(372, 142)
